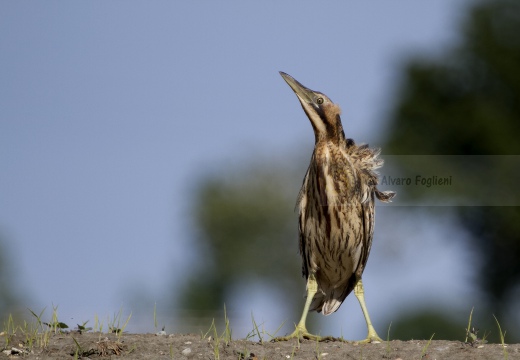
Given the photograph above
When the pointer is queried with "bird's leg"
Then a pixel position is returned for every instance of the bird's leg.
(301, 330)
(312, 289)
(360, 294)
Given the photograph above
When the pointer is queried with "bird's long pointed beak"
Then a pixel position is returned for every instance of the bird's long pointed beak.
(303, 93)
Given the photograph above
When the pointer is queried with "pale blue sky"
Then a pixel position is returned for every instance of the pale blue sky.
(108, 110)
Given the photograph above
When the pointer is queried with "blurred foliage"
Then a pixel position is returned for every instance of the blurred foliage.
(468, 103)
(9, 293)
(411, 327)
(246, 233)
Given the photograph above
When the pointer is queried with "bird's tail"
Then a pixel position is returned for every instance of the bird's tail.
(385, 196)
(329, 301)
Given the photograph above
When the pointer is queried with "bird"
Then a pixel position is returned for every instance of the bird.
(336, 212)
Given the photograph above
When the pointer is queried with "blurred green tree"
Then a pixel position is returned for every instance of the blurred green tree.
(9, 289)
(467, 102)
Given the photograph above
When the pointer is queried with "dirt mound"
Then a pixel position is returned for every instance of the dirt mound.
(179, 346)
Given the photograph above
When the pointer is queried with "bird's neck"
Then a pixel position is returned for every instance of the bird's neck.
(331, 133)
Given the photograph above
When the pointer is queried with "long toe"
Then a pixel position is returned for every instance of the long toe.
(304, 334)
(374, 339)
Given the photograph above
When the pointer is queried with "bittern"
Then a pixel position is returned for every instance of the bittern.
(336, 212)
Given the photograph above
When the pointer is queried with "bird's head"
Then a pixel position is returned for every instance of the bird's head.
(321, 111)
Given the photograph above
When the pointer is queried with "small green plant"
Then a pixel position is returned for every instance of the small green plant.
(38, 333)
(468, 329)
(9, 330)
(425, 348)
(227, 331)
(30, 331)
(502, 339)
(216, 342)
(216, 338)
(56, 325)
(83, 328)
(474, 339)
(115, 325)
(472, 333)
(42, 333)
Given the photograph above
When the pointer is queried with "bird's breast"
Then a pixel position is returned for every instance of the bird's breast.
(337, 176)
(330, 217)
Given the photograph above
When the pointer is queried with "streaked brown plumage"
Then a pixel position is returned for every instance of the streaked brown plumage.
(336, 210)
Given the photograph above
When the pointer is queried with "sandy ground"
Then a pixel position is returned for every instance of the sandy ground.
(180, 346)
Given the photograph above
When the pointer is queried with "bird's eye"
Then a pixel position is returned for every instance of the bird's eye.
(319, 100)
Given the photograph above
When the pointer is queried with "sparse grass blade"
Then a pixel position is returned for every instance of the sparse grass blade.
(388, 341)
(124, 326)
(273, 335)
(468, 329)
(78, 352)
(317, 350)
(502, 339)
(255, 329)
(227, 330)
(211, 327)
(425, 348)
(38, 317)
(155, 316)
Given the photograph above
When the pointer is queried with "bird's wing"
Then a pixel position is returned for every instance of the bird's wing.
(367, 209)
(303, 251)
(301, 203)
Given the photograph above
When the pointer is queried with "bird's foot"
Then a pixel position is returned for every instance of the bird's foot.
(302, 333)
(372, 337)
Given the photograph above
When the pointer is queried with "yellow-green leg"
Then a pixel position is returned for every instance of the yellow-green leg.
(360, 294)
(301, 330)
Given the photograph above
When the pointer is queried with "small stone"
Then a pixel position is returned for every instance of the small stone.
(15, 351)
(324, 354)
(187, 343)
(186, 352)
